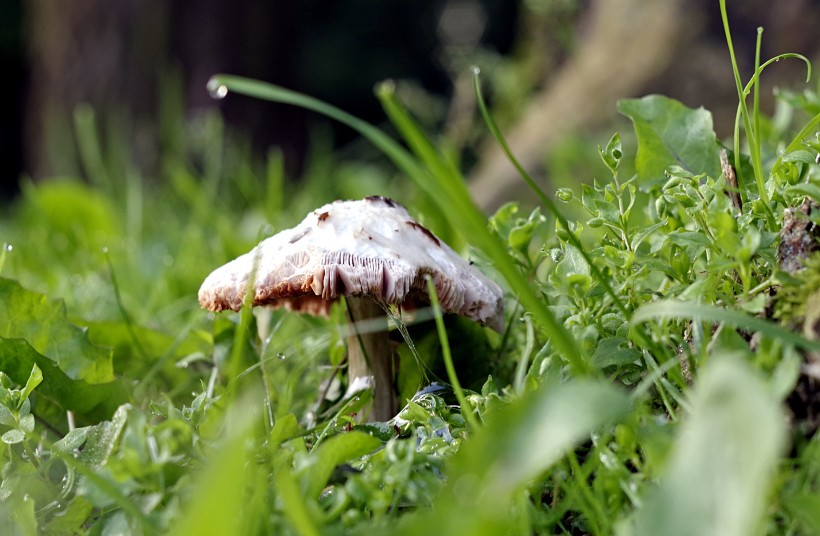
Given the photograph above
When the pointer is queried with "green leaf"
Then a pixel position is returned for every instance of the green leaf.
(519, 442)
(42, 322)
(27, 423)
(806, 506)
(90, 402)
(338, 449)
(14, 436)
(612, 153)
(721, 469)
(670, 134)
(34, 379)
(613, 351)
(524, 439)
(811, 190)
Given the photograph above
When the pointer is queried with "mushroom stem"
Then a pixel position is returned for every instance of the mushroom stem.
(370, 354)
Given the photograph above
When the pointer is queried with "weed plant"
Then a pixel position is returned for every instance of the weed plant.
(658, 373)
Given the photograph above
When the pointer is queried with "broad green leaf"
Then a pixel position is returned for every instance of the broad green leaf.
(17, 517)
(670, 134)
(12, 437)
(518, 443)
(220, 495)
(285, 428)
(338, 449)
(524, 439)
(614, 351)
(42, 322)
(90, 402)
(722, 466)
(138, 350)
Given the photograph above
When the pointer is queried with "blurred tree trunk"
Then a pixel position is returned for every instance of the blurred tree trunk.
(108, 53)
(117, 55)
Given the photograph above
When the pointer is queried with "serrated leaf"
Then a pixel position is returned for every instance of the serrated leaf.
(42, 322)
(90, 402)
(670, 134)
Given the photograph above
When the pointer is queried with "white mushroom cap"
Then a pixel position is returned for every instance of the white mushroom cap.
(370, 248)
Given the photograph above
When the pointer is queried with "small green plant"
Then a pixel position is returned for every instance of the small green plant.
(653, 343)
(15, 411)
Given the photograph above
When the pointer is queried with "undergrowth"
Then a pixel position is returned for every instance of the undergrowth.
(657, 375)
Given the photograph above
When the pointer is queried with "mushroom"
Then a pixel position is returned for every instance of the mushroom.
(375, 255)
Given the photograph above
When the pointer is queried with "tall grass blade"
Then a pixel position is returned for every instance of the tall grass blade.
(711, 313)
(721, 467)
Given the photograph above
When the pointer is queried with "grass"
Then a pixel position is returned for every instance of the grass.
(648, 381)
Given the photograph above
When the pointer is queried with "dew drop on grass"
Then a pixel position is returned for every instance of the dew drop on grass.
(281, 356)
(9, 247)
(217, 90)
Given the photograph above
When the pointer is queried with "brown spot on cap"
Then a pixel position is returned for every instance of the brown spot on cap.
(323, 216)
(386, 200)
(424, 230)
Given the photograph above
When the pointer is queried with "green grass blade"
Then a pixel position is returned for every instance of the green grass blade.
(466, 407)
(721, 468)
(545, 200)
(454, 201)
(710, 313)
(273, 93)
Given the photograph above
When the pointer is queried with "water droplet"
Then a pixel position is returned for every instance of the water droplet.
(281, 356)
(9, 247)
(105, 250)
(216, 89)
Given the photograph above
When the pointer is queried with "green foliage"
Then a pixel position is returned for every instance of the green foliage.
(652, 345)
(713, 483)
(670, 134)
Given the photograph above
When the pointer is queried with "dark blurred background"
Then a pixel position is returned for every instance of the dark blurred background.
(554, 67)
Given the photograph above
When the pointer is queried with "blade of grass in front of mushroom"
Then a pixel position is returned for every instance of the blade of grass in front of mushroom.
(466, 407)
(456, 203)
(439, 180)
(545, 200)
